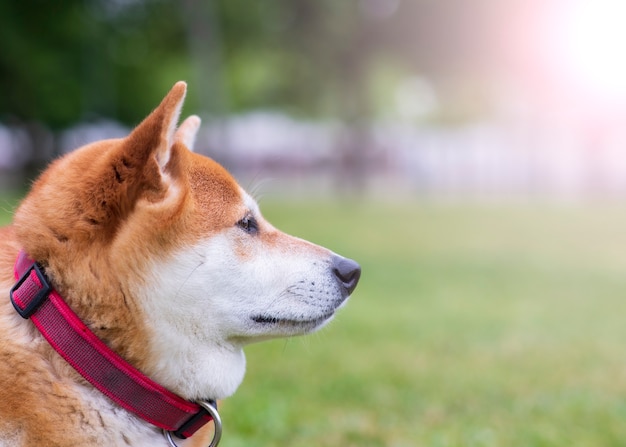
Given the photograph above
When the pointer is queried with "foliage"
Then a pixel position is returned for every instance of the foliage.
(65, 61)
(61, 62)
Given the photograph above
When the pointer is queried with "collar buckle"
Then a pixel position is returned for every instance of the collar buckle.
(28, 296)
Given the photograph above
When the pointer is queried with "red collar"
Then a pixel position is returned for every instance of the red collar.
(33, 297)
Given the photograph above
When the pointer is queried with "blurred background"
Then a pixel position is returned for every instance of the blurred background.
(443, 98)
(471, 154)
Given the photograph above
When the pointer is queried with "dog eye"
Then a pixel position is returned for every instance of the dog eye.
(249, 225)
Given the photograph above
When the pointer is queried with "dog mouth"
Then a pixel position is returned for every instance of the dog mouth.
(292, 322)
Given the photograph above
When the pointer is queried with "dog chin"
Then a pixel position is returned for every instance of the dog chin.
(292, 326)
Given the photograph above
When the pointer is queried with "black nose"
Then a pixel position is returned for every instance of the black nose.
(347, 273)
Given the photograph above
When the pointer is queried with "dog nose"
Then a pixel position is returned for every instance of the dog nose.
(347, 273)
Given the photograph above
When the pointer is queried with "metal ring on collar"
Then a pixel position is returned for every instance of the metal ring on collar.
(217, 424)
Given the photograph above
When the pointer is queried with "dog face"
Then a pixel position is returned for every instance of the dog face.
(169, 261)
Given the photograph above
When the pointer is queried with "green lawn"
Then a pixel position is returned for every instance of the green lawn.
(8, 202)
(473, 325)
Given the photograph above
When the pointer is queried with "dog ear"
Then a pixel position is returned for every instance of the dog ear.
(187, 132)
(145, 164)
(154, 136)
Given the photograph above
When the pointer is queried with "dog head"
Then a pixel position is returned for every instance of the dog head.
(169, 261)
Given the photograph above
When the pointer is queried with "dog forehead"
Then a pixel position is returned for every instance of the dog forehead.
(213, 188)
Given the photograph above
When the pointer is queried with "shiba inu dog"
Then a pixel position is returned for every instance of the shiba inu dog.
(133, 274)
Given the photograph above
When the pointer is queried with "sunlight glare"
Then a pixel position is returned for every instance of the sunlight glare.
(593, 44)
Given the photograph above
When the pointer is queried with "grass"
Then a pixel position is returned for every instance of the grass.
(8, 203)
(473, 325)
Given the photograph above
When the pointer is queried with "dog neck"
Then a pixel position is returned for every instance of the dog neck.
(187, 346)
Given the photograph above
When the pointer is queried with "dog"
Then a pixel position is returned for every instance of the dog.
(155, 268)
